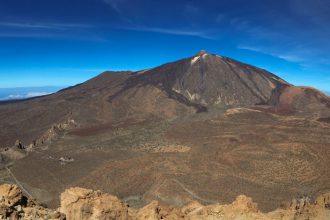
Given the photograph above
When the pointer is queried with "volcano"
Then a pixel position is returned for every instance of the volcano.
(203, 128)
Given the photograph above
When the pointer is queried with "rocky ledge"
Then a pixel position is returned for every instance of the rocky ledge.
(85, 204)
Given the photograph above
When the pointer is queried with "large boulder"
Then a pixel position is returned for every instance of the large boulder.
(84, 204)
(14, 205)
(10, 195)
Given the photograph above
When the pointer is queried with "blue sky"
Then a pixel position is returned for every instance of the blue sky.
(65, 42)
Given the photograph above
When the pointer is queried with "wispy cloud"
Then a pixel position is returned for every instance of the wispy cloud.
(68, 33)
(290, 57)
(116, 6)
(42, 30)
(32, 25)
(29, 35)
(52, 35)
(304, 44)
(183, 32)
(284, 56)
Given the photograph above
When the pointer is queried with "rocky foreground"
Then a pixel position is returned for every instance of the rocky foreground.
(79, 203)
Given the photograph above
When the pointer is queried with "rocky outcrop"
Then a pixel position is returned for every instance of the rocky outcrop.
(10, 195)
(85, 204)
(18, 144)
(54, 132)
(323, 200)
(14, 205)
(79, 203)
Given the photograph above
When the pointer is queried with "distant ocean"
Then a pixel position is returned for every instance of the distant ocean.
(26, 92)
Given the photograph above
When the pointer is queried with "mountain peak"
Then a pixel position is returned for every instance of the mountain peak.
(200, 53)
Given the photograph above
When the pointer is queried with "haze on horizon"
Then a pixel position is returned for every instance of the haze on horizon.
(62, 43)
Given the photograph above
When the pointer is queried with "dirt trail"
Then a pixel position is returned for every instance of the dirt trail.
(192, 194)
(19, 184)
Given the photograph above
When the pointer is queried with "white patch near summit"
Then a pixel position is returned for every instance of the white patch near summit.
(194, 60)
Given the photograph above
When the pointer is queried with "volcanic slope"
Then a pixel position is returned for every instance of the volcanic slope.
(174, 89)
(205, 128)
